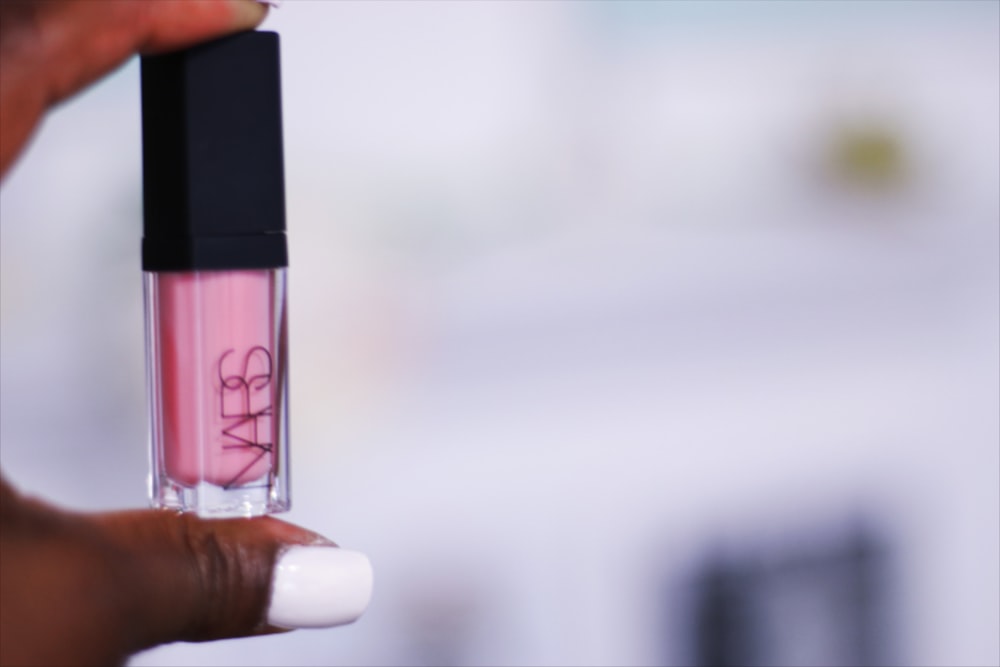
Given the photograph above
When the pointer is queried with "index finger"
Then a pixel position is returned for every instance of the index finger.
(51, 49)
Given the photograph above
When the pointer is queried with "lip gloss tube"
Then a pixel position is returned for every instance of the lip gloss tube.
(214, 258)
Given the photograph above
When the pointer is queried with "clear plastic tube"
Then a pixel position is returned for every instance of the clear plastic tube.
(218, 391)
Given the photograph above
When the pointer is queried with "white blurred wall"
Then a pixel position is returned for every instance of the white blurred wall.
(579, 291)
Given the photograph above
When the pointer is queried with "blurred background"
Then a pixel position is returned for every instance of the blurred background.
(623, 333)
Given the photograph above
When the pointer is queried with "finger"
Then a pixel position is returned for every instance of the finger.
(50, 50)
(79, 590)
(193, 579)
(175, 24)
(82, 40)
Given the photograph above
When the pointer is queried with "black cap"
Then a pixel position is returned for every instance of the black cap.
(213, 176)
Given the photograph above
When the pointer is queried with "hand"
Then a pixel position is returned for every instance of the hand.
(51, 49)
(93, 589)
(79, 589)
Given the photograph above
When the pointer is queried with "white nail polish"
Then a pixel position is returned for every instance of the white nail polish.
(319, 587)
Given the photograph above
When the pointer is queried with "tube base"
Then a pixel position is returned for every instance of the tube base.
(211, 501)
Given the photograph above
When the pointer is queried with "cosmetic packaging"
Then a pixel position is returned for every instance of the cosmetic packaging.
(214, 258)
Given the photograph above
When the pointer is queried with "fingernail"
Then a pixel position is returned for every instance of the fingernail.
(319, 587)
(248, 14)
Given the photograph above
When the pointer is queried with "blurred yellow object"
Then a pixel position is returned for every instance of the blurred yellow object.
(870, 157)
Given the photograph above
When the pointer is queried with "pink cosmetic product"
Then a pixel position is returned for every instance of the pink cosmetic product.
(214, 259)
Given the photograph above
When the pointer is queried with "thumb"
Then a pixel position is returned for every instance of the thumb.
(195, 579)
(78, 589)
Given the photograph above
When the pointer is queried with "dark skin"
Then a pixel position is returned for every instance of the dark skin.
(83, 589)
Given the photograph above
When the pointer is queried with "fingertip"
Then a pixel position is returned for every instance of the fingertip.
(319, 587)
(177, 24)
(248, 14)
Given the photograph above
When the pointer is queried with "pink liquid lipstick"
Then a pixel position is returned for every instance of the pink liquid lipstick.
(214, 260)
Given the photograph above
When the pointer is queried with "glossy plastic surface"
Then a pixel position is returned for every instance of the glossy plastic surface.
(217, 352)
